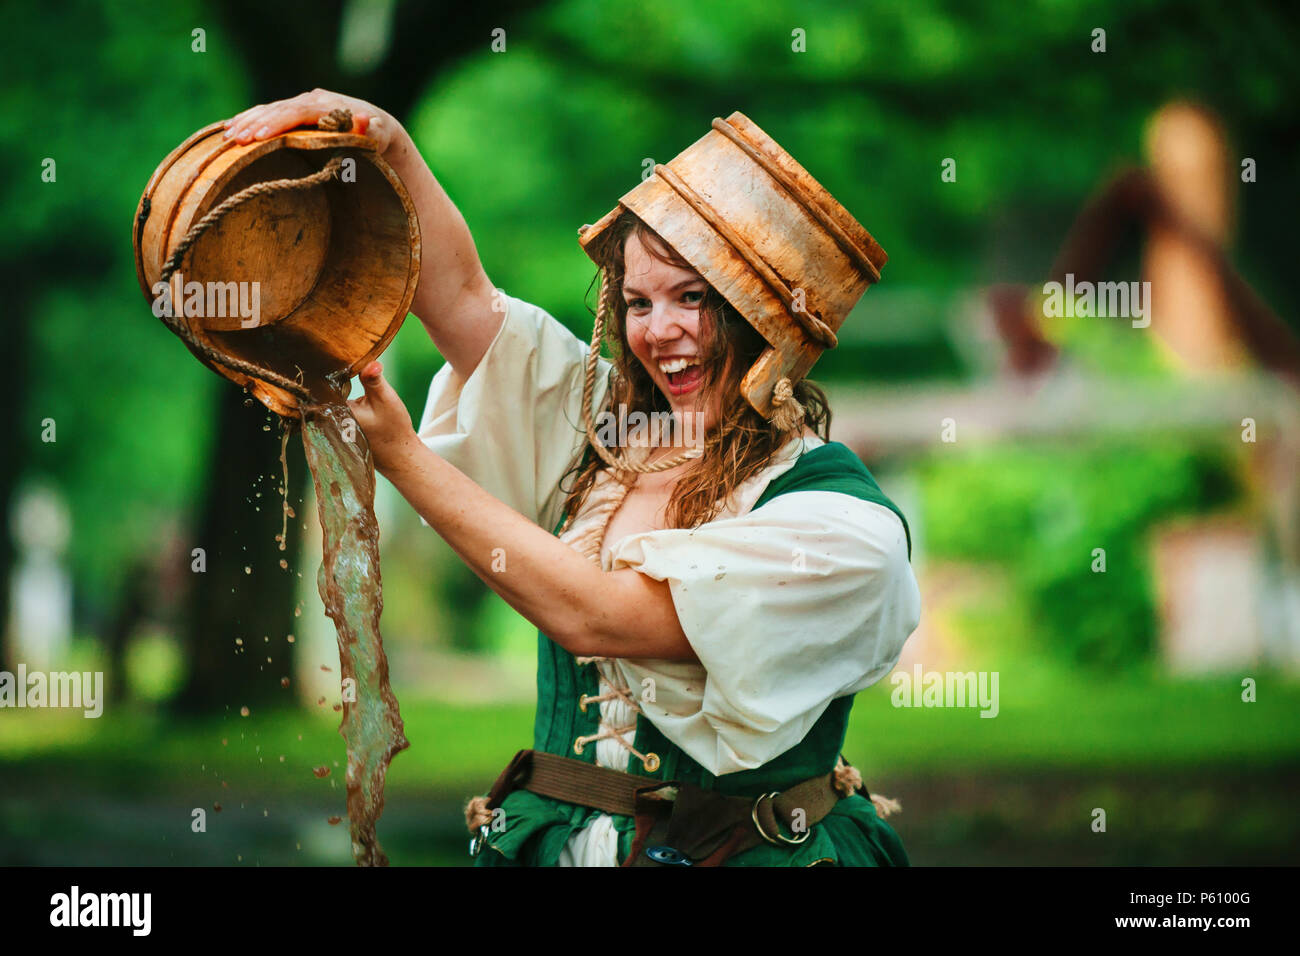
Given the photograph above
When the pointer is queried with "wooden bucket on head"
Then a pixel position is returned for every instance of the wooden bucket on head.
(291, 284)
(765, 234)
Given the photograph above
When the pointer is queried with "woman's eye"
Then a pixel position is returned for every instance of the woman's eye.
(693, 298)
(638, 304)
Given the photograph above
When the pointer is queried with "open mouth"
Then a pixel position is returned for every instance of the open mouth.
(683, 375)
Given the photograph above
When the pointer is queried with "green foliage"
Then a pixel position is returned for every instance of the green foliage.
(1041, 511)
(119, 88)
(536, 141)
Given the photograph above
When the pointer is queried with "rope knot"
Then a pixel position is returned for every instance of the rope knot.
(477, 813)
(885, 805)
(847, 780)
(336, 121)
(787, 413)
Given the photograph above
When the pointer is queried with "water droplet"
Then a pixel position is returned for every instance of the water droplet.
(247, 569)
(243, 712)
(326, 669)
(338, 707)
(284, 564)
(224, 741)
(335, 821)
(321, 771)
(321, 701)
(239, 641)
(281, 758)
(290, 638)
(216, 808)
(284, 682)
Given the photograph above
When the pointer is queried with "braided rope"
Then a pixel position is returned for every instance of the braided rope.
(335, 121)
(614, 461)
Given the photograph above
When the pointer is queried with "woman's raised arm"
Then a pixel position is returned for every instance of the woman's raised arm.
(454, 299)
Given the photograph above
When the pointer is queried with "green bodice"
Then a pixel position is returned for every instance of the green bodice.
(537, 827)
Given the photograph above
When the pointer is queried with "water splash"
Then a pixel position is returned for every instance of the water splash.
(351, 589)
(287, 511)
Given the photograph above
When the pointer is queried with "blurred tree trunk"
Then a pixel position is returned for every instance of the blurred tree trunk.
(243, 595)
(287, 52)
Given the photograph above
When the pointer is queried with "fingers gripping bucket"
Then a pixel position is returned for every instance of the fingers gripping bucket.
(766, 235)
(312, 231)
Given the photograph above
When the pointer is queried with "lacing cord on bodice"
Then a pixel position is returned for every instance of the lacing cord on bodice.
(615, 692)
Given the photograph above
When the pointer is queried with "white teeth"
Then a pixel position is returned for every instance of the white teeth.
(675, 365)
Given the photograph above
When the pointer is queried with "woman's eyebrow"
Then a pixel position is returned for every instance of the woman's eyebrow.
(629, 290)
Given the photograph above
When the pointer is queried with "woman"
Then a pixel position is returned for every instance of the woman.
(720, 603)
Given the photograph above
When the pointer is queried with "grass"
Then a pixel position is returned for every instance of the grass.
(1046, 719)
(1188, 771)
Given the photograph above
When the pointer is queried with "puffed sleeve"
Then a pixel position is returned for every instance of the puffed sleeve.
(807, 598)
(515, 425)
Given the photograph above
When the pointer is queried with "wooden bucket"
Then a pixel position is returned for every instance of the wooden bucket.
(766, 235)
(294, 285)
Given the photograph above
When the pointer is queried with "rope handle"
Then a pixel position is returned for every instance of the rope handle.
(786, 414)
(339, 120)
(588, 387)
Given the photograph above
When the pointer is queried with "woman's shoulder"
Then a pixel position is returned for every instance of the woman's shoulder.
(825, 466)
(830, 467)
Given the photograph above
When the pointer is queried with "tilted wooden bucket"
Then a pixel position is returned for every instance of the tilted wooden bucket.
(307, 276)
(764, 233)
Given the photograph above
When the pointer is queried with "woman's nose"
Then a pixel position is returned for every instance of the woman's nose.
(664, 325)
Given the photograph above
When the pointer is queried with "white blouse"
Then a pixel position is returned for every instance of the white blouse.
(788, 606)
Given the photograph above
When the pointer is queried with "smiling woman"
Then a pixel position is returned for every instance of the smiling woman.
(705, 614)
(678, 344)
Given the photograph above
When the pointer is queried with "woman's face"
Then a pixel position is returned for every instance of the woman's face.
(663, 328)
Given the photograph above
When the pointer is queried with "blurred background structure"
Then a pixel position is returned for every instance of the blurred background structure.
(1105, 512)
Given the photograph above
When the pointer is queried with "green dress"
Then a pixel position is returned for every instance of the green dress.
(533, 830)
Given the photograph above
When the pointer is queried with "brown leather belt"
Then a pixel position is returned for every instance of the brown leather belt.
(676, 824)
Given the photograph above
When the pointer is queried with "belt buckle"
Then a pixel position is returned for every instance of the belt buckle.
(753, 814)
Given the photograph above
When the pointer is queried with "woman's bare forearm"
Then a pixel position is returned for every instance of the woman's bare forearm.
(587, 611)
(454, 299)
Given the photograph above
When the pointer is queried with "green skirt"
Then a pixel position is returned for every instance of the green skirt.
(534, 829)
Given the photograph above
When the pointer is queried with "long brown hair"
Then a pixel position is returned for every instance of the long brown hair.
(742, 442)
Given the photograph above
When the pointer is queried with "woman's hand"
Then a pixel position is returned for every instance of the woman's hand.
(384, 419)
(306, 109)
(454, 299)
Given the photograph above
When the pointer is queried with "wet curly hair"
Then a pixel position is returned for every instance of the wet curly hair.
(742, 442)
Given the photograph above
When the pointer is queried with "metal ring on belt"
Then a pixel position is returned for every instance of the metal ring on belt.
(753, 813)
